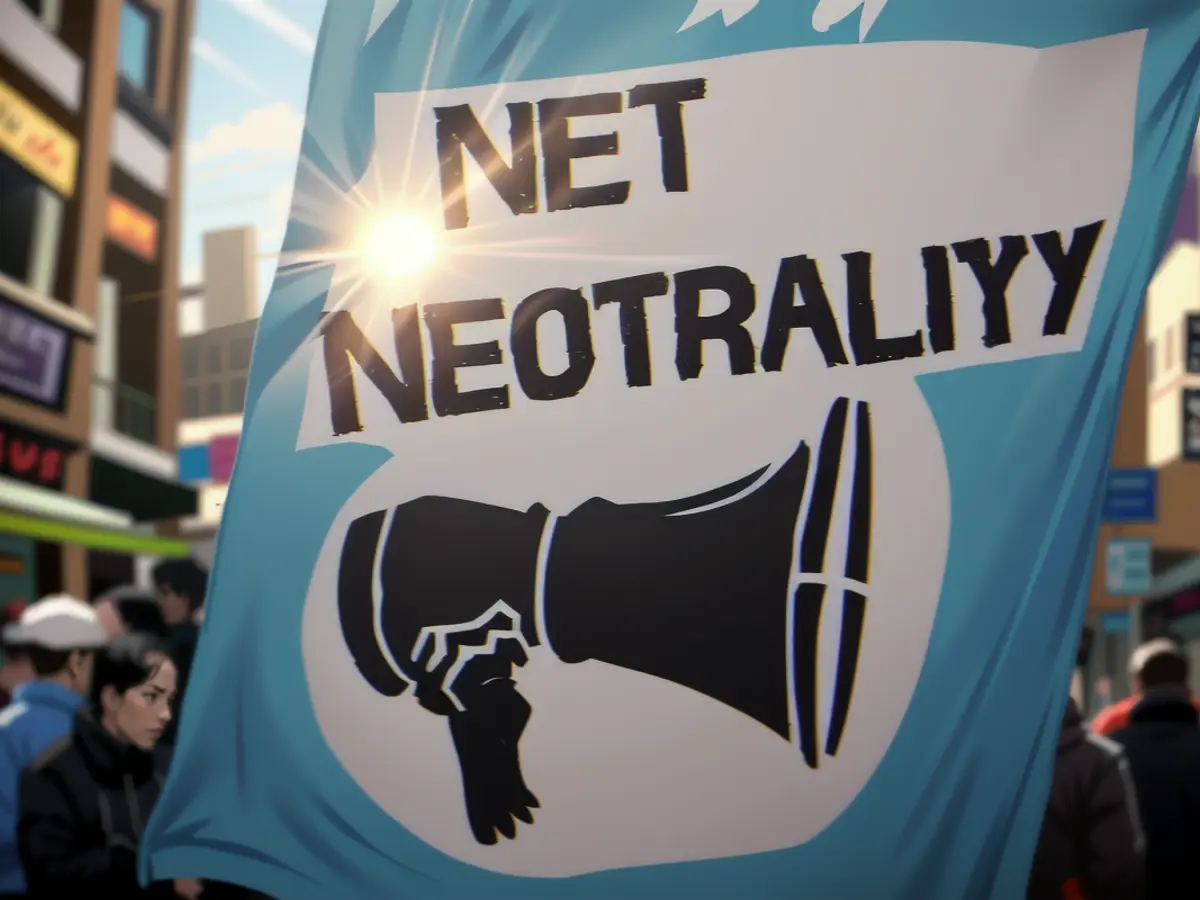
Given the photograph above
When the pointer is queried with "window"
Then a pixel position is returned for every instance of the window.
(213, 365)
(237, 395)
(135, 48)
(49, 11)
(191, 360)
(18, 212)
(104, 346)
(191, 403)
(1151, 359)
(214, 400)
(31, 214)
(239, 353)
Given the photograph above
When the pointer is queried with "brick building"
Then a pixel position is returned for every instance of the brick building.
(92, 114)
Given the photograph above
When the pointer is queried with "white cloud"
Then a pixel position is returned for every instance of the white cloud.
(191, 274)
(275, 223)
(264, 161)
(206, 52)
(276, 22)
(268, 129)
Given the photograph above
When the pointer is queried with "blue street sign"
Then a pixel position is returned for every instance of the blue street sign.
(1127, 567)
(1131, 495)
(1115, 623)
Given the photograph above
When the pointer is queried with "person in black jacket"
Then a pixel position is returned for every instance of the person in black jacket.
(1091, 843)
(83, 803)
(180, 585)
(1162, 743)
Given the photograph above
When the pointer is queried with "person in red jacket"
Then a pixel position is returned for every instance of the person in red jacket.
(1115, 717)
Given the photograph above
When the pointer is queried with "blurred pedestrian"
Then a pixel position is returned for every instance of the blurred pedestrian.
(1103, 692)
(1115, 717)
(181, 586)
(1091, 845)
(86, 799)
(16, 669)
(1162, 743)
(135, 608)
(59, 636)
(110, 617)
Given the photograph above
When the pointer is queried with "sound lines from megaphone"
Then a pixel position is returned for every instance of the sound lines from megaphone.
(811, 582)
(827, 14)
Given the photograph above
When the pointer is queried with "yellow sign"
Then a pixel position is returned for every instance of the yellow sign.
(131, 228)
(36, 142)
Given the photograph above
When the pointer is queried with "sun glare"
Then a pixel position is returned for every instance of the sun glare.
(399, 246)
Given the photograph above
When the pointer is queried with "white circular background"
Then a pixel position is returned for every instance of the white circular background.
(632, 770)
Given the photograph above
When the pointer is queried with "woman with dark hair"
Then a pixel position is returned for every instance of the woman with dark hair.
(84, 802)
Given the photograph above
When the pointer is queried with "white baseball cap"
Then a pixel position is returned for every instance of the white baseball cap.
(57, 622)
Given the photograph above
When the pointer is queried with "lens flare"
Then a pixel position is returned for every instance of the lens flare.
(399, 246)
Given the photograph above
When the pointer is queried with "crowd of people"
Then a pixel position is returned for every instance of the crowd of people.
(90, 696)
(1123, 818)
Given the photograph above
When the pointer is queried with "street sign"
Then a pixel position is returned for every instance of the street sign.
(1127, 567)
(1115, 623)
(1131, 495)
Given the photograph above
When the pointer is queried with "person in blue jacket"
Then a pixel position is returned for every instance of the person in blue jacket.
(60, 635)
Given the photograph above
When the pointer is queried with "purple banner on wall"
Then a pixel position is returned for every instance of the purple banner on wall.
(221, 453)
(33, 355)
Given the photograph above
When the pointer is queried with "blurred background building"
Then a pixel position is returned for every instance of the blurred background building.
(218, 338)
(1146, 581)
(92, 109)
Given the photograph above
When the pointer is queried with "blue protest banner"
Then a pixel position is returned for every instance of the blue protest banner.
(670, 441)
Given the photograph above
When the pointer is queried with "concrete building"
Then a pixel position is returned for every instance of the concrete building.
(230, 277)
(215, 370)
(1173, 358)
(92, 98)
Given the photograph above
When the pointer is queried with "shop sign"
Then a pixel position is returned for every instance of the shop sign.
(36, 142)
(133, 229)
(1191, 423)
(32, 458)
(33, 356)
(1184, 604)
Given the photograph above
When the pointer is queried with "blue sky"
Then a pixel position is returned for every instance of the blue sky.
(249, 82)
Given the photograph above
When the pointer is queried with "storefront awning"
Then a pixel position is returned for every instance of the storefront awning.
(45, 515)
(1178, 578)
(144, 496)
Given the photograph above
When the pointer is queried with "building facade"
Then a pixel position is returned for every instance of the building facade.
(215, 372)
(1159, 428)
(92, 113)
